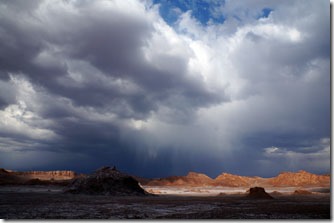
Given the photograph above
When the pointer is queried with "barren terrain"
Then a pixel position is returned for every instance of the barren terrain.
(108, 193)
(48, 202)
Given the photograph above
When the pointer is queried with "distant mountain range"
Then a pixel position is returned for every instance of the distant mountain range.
(193, 179)
(300, 178)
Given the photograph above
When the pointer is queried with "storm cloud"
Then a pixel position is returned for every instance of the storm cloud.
(91, 83)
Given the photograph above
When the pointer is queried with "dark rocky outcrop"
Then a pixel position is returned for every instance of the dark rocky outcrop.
(258, 193)
(7, 178)
(106, 181)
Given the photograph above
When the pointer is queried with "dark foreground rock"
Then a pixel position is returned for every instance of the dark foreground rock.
(106, 181)
(7, 178)
(57, 205)
(258, 193)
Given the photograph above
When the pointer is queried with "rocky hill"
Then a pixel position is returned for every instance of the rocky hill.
(192, 179)
(230, 180)
(6, 177)
(198, 179)
(258, 193)
(301, 178)
(106, 181)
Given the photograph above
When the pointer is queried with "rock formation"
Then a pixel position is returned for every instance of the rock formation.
(301, 178)
(35, 177)
(199, 179)
(192, 179)
(298, 179)
(48, 175)
(230, 180)
(106, 181)
(6, 177)
(258, 193)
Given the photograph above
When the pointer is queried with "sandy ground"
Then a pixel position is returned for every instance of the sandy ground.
(41, 202)
(214, 191)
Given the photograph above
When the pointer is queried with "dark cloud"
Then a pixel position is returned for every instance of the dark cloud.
(84, 84)
(106, 42)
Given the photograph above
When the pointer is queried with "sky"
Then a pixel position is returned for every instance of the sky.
(160, 88)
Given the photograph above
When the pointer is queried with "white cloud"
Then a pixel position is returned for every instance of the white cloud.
(15, 119)
(20, 118)
(316, 157)
(270, 150)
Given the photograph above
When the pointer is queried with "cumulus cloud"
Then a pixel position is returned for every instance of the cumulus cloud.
(314, 157)
(112, 82)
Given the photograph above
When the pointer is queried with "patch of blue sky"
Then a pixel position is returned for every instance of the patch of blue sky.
(265, 13)
(202, 10)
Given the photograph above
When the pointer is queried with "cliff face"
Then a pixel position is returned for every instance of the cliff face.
(48, 175)
(13, 177)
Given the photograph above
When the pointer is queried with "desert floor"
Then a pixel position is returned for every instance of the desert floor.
(48, 202)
